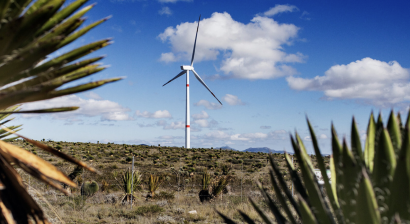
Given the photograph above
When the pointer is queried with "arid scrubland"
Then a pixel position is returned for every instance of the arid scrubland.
(180, 172)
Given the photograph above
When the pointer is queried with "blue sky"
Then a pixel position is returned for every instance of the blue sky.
(270, 63)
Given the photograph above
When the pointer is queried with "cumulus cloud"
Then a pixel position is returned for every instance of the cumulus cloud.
(202, 115)
(208, 105)
(105, 109)
(250, 137)
(232, 100)
(175, 125)
(165, 125)
(204, 123)
(250, 51)
(280, 9)
(378, 82)
(156, 114)
(92, 95)
(168, 57)
(165, 11)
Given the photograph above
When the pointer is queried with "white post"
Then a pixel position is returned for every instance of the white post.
(132, 180)
(187, 114)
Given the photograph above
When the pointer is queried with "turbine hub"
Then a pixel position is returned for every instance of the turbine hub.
(187, 68)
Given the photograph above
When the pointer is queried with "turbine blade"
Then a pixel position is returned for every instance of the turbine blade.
(193, 52)
(181, 73)
(203, 83)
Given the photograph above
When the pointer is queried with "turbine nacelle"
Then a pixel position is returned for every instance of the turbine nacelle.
(187, 68)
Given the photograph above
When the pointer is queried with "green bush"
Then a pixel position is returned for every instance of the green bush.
(89, 188)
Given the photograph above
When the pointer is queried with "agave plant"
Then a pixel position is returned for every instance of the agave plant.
(367, 186)
(130, 182)
(153, 184)
(212, 188)
(29, 32)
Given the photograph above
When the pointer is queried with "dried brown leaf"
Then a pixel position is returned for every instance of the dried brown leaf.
(34, 162)
(52, 150)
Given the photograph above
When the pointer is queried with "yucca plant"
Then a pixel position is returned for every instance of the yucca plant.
(204, 194)
(367, 186)
(29, 32)
(212, 188)
(153, 184)
(130, 182)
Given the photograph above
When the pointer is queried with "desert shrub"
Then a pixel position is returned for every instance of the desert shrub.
(148, 210)
(163, 195)
(89, 188)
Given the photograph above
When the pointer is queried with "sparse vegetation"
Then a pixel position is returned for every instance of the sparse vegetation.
(179, 186)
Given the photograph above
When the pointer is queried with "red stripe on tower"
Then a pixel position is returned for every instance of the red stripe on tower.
(188, 126)
(187, 85)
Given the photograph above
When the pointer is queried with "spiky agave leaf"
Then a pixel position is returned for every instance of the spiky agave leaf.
(27, 37)
(365, 196)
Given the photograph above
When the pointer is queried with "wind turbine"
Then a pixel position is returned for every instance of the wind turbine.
(186, 69)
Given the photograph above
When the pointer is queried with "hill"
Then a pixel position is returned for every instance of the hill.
(262, 149)
(227, 148)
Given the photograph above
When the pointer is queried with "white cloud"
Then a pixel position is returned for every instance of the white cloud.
(280, 9)
(250, 51)
(202, 115)
(156, 114)
(165, 11)
(233, 100)
(202, 122)
(106, 109)
(220, 135)
(168, 57)
(307, 138)
(175, 125)
(92, 95)
(322, 136)
(164, 124)
(380, 83)
(208, 105)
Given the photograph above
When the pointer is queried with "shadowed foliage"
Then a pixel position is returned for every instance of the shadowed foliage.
(29, 32)
(369, 185)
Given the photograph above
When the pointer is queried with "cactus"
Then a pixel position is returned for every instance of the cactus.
(367, 186)
(89, 188)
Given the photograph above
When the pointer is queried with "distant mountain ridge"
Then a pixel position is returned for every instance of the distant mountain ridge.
(262, 149)
(227, 148)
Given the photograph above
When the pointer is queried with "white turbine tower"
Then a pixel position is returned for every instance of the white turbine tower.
(186, 69)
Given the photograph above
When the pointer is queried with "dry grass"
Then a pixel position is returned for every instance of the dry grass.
(181, 171)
